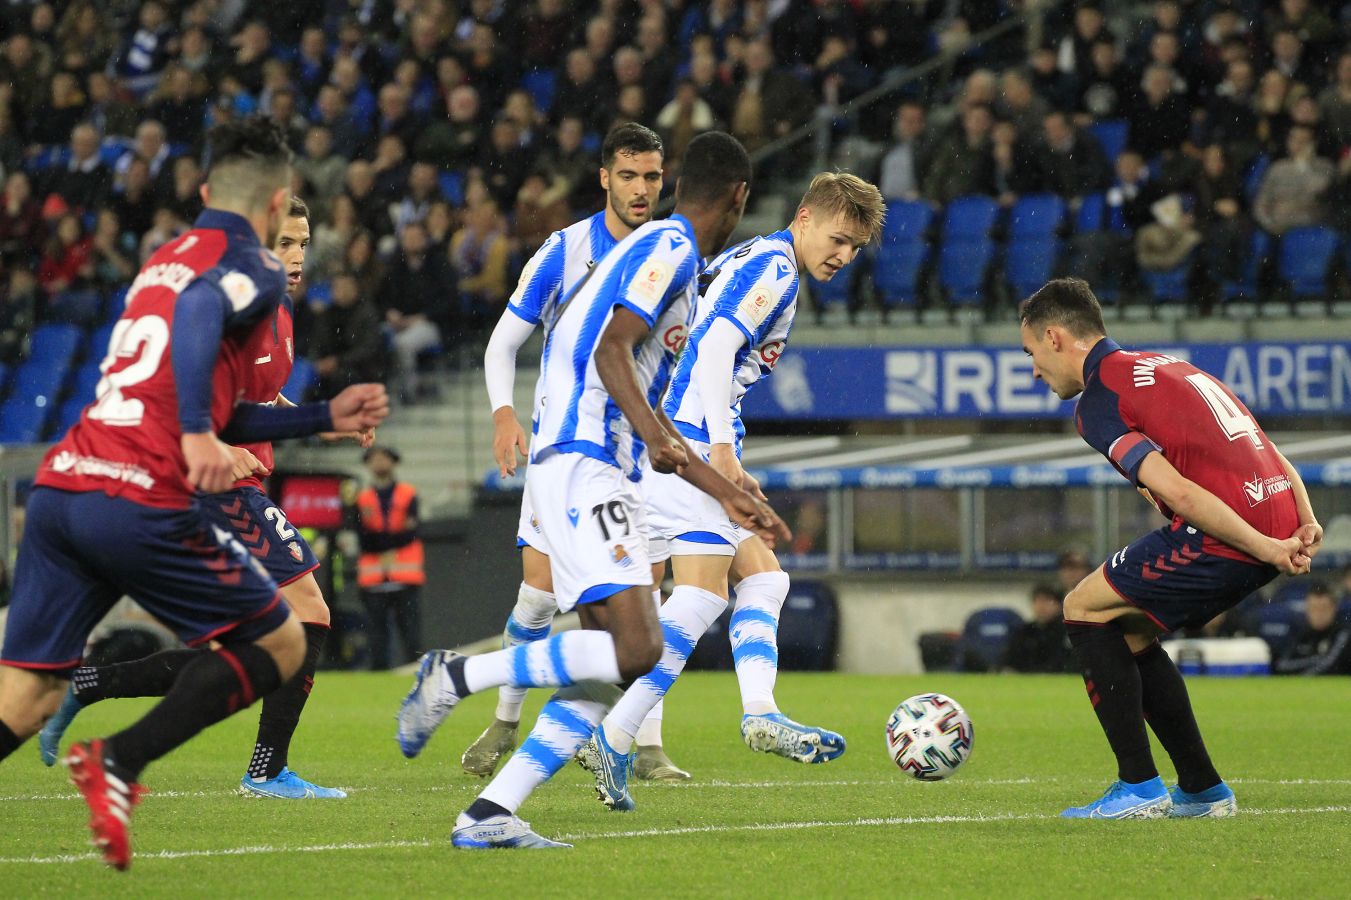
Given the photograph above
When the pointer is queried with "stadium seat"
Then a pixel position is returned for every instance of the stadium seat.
(985, 638)
(117, 304)
(39, 379)
(320, 292)
(1252, 178)
(55, 344)
(969, 218)
(97, 346)
(1030, 263)
(303, 380)
(23, 421)
(808, 628)
(1246, 286)
(67, 416)
(84, 383)
(1305, 259)
(452, 187)
(896, 273)
(1278, 624)
(1036, 216)
(1111, 135)
(835, 292)
(540, 84)
(1091, 215)
(962, 267)
(907, 220)
(1170, 286)
(4, 377)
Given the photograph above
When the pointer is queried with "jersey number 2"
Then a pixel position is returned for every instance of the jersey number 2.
(149, 335)
(278, 520)
(1232, 420)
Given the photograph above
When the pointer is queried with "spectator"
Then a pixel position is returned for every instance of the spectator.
(1105, 88)
(25, 66)
(1011, 172)
(65, 107)
(390, 568)
(583, 94)
(360, 182)
(112, 252)
(487, 67)
(479, 253)
(1019, 104)
(1052, 85)
(145, 51)
(330, 110)
(1069, 161)
(185, 200)
(599, 41)
(1324, 645)
(412, 295)
(84, 38)
(1168, 240)
(361, 261)
(1288, 57)
(1076, 49)
(1071, 567)
(108, 114)
(711, 86)
(347, 343)
(1160, 120)
(1041, 644)
(179, 103)
(505, 162)
(576, 165)
(963, 164)
(312, 61)
(1308, 23)
(530, 122)
(21, 228)
(409, 76)
(893, 35)
(253, 46)
(360, 102)
(905, 164)
(545, 32)
(1221, 215)
(769, 103)
(440, 223)
(66, 257)
(18, 311)
(331, 236)
(657, 60)
(195, 52)
(838, 76)
(84, 181)
(1230, 117)
(281, 108)
(135, 205)
(541, 209)
(390, 168)
(1335, 103)
(421, 192)
(1274, 95)
(1292, 189)
(682, 120)
(393, 116)
(323, 169)
(151, 148)
(453, 143)
(165, 226)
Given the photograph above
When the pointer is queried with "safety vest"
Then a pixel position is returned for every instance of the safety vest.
(404, 565)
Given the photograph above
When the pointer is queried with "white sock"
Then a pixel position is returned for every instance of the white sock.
(530, 620)
(684, 619)
(565, 723)
(649, 733)
(755, 639)
(553, 662)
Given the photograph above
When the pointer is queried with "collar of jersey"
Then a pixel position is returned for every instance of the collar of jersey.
(1096, 355)
(232, 223)
(787, 237)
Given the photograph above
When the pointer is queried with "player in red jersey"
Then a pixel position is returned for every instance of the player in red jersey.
(1239, 516)
(114, 507)
(262, 528)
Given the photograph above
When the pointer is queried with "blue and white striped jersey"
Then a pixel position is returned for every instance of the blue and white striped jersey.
(557, 267)
(754, 286)
(652, 273)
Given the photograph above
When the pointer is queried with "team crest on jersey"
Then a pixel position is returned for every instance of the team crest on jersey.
(621, 556)
(757, 304)
(239, 290)
(296, 553)
(652, 280)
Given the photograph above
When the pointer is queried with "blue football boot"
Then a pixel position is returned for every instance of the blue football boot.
(1213, 803)
(49, 739)
(611, 770)
(430, 700)
(1146, 800)
(287, 786)
(776, 733)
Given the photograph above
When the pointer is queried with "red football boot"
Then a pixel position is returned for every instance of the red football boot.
(110, 801)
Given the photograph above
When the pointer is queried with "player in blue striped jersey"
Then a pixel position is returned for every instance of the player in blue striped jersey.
(611, 341)
(631, 176)
(741, 326)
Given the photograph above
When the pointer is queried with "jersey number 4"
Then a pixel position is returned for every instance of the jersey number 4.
(1232, 420)
(148, 335)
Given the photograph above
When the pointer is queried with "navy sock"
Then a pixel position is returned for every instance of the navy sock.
(281, 710)
(1113, 683)
(482, 809)
(150, 676)
(1168, 710)
(9, 741)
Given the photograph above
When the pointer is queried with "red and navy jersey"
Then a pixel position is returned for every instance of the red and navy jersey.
(194, 301)
(268, 353)
(1137, 402)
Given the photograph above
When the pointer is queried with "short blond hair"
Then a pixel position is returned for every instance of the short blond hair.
(848, 196)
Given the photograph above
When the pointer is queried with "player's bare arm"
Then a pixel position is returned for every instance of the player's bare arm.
(1310, 532)
(615, 365)
(1204, 510)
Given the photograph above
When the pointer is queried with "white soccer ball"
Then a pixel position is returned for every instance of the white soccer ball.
(929, 736)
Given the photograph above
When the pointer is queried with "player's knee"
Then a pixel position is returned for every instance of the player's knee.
(639, 653)
(1075, 608)
(286, 645)
(29, 699)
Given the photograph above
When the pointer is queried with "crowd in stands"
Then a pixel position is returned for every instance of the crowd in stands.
(440, 141)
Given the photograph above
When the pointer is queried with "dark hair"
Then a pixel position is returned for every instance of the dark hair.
(1067, 302)
(255, 140)
(629, 139)
(1045, 590)
(298, 209)
(1319, 588)
(715, 163)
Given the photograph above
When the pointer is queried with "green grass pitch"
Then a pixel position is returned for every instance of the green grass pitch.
(748, 826)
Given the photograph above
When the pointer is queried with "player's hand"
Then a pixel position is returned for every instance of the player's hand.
(508, 437)
(1289, 557)
(358, 407)
(667, 455)
(246, 464)
(1311, 536)
(750, 484)
(754, 514)
(722, 457)
(211, 465)
(363, 438)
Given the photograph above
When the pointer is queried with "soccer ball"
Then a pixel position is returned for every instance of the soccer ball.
(929, 736)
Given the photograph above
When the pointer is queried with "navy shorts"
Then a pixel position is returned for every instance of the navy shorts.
(263, 530)
(81, 552)
(1169, 577)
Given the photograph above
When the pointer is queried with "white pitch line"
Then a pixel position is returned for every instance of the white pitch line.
(604, 835)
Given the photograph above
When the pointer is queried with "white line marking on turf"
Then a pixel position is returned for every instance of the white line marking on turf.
(603, 835)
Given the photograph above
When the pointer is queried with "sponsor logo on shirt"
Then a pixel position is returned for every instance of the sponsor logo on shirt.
(67, 463)
(674, 337)
(652, 280)
(1260, 489)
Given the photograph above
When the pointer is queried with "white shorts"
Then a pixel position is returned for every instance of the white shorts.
(688, 521)
(527, 529)
(590, 521)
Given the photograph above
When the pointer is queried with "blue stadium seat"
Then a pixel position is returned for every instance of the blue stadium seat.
(1029, 263)
(23, 421)
(1091, 215)
(836, 291)
(97, 347)
(540, 84)
(1170, 286)
(1252, 179)
(39, 380)
(969, 218)
(1036, 216)
(319, 292)
(4, 378)
(896, 273)
(808, 628)
(303, 380)
(1279, 625)
(962, 266)
(117, 304)
(1306, 257)
(452, 187)
(48, 158)
(985, 637)
(907, 220)
(68, 415)
(1111, 135)
(55, 344)
(1246, 286)
(85, 381)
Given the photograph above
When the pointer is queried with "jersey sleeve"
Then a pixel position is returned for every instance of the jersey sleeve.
(253, 286)
(657, 268)
(200, 315)
(758, 294)
(540, 282)
(1099, 420)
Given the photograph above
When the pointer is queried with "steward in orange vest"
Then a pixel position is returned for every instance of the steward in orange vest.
(391, 553)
